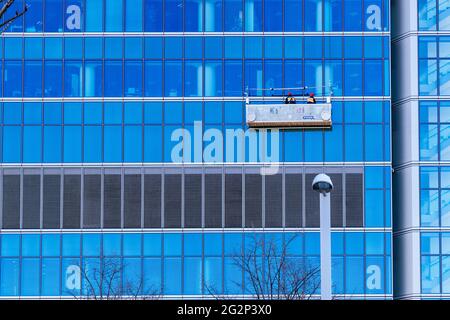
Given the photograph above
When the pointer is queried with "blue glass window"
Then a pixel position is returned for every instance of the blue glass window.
(253, 47)
(12, 79)
(33, 48)
(333, 15)
(152, 244)
(431, 274)
(374, 201)
(53, 48)
(193, 282)
(53, 79)
(54, 17)
(172, 276)
(173, 88)
(32, 113)
(34, 17)
(353, 80)
(112, 245)
(313, 20)
(72, 144)
(73, 48)
(427, 15)
(133, 48)
(313, 47)
(113, 72)
(32, 144)
(312, 243)
(113, 48)
(233, 15)
(132, 244)
(173, 10)
(113, 144)
(133, 78)
(133, 144)
(273, 16)
(10, 245)
(93, 144)
(292, 15)
(93, 48)
(71, 245)
(233, 47)
(233, 78)
(91, 244)
(153, 144)
(31, 245)
(352, 15)
(12, 137)
(153, 15)
(9, 276)
(30, 277)
(213, 47)
(92, 114)
(51, 245)
(113, 16)
(353, 47)
(354, 275)
(193, 244)
(153, 48)
(153, 79)
(50, 277)
(172, 244)
(94, 16)
(13, 48)
(134, 16)
(52, 144)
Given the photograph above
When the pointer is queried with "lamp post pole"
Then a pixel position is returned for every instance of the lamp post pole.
(325, 246)
(323, 184)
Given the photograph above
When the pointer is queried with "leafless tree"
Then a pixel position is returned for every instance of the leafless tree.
(271, 273)
(5, 17)
(104, 282)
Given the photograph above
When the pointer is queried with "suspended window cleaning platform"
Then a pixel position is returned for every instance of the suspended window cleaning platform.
(290, 111)
(300, 115)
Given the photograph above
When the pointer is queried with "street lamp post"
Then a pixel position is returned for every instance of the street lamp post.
(323, 184)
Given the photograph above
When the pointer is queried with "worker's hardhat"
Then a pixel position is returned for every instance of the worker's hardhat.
(311, 94)
(289, 93)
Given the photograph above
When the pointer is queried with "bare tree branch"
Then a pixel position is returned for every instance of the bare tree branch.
(4, 10)
(103, 282)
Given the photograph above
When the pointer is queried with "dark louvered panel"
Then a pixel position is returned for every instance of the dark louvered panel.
(253, 201)
(72, 202)
(337, 220)
(193, 200)
(52, 201)
(31, 201)
(293, 200)
(92, 201)
(152, 201)
(132, 201)
(274, 201)
(233, 201)
(172, 201)
(11, 202)
(112, 218)
(213, 201)
(354, 200)
(312, 203)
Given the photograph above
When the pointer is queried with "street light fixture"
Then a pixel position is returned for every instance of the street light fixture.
(323, 184)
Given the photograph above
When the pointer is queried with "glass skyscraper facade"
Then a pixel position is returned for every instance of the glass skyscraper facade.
(421, 95)
(124, 138)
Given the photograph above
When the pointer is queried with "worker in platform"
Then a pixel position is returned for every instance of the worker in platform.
(290, 99)
(311, 99)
